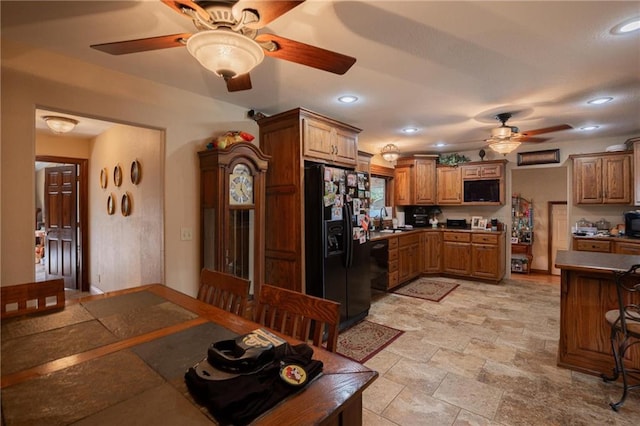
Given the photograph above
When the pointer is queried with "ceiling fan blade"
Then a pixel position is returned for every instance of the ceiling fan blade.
(178, 5)
(142, 44)
(238, 83)
(267, 10)
(535, 140)
(547, 130)
(305, 54)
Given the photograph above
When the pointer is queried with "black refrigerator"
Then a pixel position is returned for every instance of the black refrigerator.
(337, 247)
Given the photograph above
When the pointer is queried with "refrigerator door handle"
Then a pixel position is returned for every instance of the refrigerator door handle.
(348, 247)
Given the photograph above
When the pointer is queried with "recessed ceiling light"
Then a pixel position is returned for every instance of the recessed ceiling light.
(627, 26)
(348, 99)
(600, 101)
(587, 128)
(409, 130)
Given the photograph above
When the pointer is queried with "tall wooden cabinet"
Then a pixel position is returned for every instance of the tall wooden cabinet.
(290, 138)
(603, 178)
(232, 198)
(415, 180)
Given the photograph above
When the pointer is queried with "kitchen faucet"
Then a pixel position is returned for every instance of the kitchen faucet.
(383, 214)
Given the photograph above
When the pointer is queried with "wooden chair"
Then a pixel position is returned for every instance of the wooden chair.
(625, 331)
(299, 315)
(224, 291)
(27, 298)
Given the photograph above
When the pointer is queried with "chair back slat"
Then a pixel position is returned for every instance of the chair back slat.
(298, 315)
(26, 298)
(224, 291)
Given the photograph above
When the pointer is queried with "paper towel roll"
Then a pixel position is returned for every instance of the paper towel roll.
(400, 216)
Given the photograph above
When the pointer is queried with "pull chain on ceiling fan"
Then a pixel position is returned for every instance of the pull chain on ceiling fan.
(228, 42)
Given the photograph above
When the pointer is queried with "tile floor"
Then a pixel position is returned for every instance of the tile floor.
(484, 355)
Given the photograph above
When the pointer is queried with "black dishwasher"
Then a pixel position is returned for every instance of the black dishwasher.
(379, 264)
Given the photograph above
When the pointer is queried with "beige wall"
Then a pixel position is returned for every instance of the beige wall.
(126, 251)
(68, 85)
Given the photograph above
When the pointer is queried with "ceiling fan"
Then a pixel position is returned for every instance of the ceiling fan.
(505, 139)
(228, 43)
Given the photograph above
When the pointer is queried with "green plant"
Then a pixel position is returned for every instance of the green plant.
(453, 159)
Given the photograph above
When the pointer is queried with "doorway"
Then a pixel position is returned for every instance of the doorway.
(65, 241)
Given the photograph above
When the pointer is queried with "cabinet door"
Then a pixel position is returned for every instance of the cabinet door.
(431, 251)
(449, 181)
(402, 186)
(636, 171)
(404, 263)
(425, 182)
(587, 176)
(346, 147)
(622, 247)
(456, 258)
(319, 140)
(616, 180)
(484, 260)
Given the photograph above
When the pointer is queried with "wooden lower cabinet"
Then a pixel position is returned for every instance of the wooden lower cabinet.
(393, 263)
(456, 253)
(624, 247)
(610, 245)
(487, 256)
(584, 343)
(408, 257)
(431, 245)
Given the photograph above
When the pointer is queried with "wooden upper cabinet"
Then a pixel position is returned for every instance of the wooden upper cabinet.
(329, 140)
(415, 181)
(479, 171)
(449, 181)
(602, 178)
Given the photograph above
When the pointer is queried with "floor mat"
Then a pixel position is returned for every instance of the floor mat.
(428, 289)
(365, 339)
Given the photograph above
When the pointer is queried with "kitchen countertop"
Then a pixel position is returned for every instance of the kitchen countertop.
(376, 235)
(595, 261)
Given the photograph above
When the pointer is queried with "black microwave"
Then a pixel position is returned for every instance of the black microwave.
(481, 191)
(632, 224)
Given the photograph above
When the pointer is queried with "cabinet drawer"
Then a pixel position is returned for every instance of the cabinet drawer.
(393, 255)
(393, 243)
(484, 238)
(464, 237)
(407, 240)
(393, 265)
(590, 245)
(627, 248)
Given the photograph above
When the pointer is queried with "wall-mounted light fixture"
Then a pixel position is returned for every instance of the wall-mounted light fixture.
(60, 124)
(390, 152)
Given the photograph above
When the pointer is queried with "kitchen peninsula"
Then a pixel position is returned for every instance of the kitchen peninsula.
(587, 292)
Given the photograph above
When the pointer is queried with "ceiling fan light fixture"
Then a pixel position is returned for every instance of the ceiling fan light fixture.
(226, 53)
(59, 124)
(504, 147)
(390, 152)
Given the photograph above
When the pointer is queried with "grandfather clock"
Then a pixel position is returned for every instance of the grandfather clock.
(232, 196)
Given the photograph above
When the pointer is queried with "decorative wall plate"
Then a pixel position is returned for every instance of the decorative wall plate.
(136, 172)
(104, 178)
(111, 204)
(125, 205)
(117, 175)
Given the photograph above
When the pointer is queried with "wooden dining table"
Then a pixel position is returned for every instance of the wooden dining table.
(120, 358)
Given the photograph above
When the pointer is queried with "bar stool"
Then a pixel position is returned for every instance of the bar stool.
(625, 330)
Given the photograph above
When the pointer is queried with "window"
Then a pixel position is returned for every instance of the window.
(378, 187)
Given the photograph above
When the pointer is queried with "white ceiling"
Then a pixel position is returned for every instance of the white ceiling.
(444, 67)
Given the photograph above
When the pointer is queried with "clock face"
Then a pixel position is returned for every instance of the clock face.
(241, 186)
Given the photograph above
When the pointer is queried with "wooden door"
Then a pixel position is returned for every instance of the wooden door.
(61, 224)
